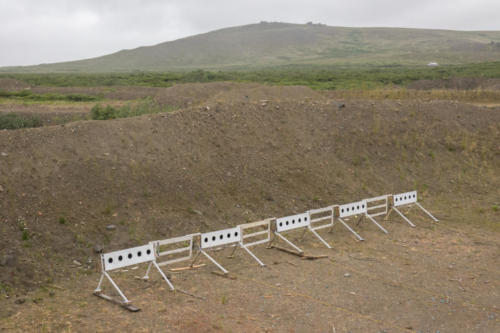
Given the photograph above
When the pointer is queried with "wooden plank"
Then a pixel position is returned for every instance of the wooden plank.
(186, 268)
(128, 306)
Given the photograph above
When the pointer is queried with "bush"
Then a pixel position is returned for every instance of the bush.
(146, 106)
(15, 121)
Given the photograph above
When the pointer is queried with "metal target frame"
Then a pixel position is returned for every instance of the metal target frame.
(317, 223)
(407, 199)
(372, 211)
(189, 239)
(113, 261)
(230, 237)
(288, 223)
(353, 209)
(248, 235)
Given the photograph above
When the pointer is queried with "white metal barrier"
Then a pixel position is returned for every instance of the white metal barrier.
(377, 206)
(251, 237)
(291, 222)
(225, 237)
(407, 199)
(320, 219)
(123, 258)
(182, 251)
(350, 210)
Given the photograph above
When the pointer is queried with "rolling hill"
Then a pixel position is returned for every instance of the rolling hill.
(276, 44)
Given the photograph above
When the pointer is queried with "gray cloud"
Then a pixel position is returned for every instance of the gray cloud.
(33, 31)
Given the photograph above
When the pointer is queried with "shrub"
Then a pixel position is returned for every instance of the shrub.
(15, 121)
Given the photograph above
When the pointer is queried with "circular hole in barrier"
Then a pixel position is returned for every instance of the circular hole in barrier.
(130, 255)
(139, 253)
(358, 207)
(342, 210)
(396, 199)
(405, 197)
(228, 235)
(293, 221)
(235, 233)
(148, 252)
(206, 239)
(347, 208)
(221, 236)
(213, 238)
(110, 260)
(281, 224)
(353, 208)
(300, 220)
(120, 258)
(305, 218)
(362, 206)
(286, 223)
(414, 195)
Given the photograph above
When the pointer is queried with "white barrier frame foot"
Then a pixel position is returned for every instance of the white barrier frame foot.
(350, 229)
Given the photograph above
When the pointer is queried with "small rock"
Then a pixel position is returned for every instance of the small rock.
(4, 154)
(89, 260)
(8, 260)
(347, 275)
(1, 188)
(77, 263)
(98, 248)
(341, 105)
(111, 227)
(198, 212)
(20, 300)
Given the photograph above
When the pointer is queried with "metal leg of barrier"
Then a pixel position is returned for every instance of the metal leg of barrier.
(288, 242)
(404, 217)
(195, 258)
(163, 275)
(320, 238)
(350, 229)
(98, 289)
(214, 262)
(146, 276)
(126, 301)
(303, 235)
(253, 255)
(376, 223)
(232, 253)
(425, 211)
(388, 213)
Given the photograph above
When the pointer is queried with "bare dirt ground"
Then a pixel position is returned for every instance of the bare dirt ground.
(240, 153)
(436, 277)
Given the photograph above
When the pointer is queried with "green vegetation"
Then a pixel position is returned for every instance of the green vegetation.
(27, 95)
(146, 106)
(15, 121)
(317, 77)
(62, 220)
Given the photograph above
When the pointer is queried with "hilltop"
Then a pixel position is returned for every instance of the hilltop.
(278, 44)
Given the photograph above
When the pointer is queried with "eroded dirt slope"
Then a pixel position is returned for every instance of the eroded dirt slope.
(254, 152)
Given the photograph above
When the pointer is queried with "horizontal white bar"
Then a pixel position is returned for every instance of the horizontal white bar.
(166, 253)
(322, 218)
(172, 261)
(380, 198)
(258, 242)
(175, 240)
(320, 210)
(322, 226)
(376, 207)
(258, 233)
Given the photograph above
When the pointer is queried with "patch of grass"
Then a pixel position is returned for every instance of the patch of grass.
(495, 208)
(146, 106)
(25, 235)
(14, 121)
(62, 220)
(28, 95)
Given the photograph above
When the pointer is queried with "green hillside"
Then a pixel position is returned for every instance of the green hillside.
(273, 44)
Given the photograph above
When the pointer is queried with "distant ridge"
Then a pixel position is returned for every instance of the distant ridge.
(272, 44)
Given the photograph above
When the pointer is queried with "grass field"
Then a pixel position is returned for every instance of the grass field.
(316, 77)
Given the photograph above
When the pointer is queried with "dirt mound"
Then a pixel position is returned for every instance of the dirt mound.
(12, 85)
(197, 170)
(459, 83)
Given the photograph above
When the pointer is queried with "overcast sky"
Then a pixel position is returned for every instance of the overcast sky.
(43, 31)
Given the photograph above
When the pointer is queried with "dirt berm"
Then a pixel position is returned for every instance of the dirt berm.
(243, 155)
